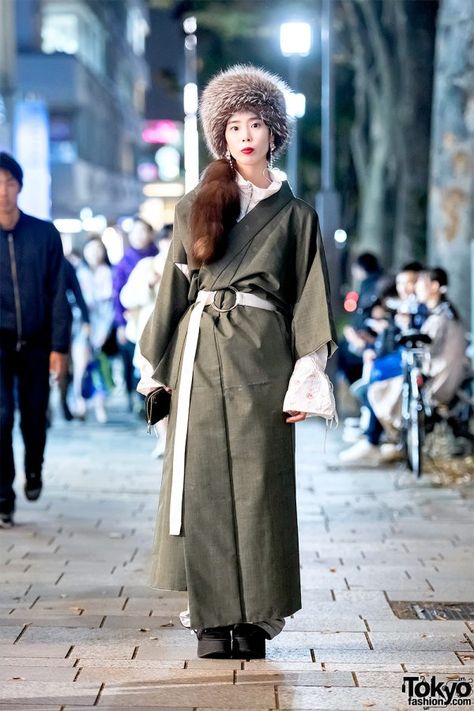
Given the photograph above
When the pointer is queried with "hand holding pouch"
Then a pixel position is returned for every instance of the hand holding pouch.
(157, 406)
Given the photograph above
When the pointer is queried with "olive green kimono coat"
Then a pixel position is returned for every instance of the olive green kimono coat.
(237, 555)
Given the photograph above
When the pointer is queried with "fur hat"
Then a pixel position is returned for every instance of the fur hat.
(240, 88)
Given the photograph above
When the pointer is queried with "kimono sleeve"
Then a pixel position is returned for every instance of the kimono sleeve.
(312, 324)
(171, 303)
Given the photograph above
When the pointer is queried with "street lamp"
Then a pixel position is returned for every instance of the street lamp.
(328, 203)
(190, 105)
(295, 42)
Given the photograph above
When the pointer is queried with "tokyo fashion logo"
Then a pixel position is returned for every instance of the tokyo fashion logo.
(430, 692)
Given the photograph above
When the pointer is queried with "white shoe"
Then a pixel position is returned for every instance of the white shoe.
(101, 413)
(362, 453)
(390, 452)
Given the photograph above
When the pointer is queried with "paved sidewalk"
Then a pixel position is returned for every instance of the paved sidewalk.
(79, 627)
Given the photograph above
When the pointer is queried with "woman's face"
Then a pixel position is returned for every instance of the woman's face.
(94, 253)
(248, 139)
(406, 284)
(139, 236)
(425, 289)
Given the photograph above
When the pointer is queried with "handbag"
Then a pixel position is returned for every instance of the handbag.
(157, 406)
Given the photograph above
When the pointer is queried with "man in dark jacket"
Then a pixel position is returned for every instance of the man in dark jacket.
(34, 332)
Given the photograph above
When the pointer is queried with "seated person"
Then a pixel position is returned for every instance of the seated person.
(446, 369)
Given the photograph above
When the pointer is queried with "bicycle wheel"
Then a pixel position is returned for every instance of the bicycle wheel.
(414, 437)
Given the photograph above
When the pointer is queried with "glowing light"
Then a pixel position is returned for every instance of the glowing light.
(295, 38)
(340, 236)
(190, 25)
(68, 225)
(350, 305)
(295, 104)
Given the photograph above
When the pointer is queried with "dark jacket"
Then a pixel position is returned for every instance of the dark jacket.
(39, 311)
(74, 292)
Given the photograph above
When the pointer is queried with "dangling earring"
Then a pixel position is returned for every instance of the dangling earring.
(228, 157)
(270, 162)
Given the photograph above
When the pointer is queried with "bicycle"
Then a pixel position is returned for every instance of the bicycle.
(415, 408)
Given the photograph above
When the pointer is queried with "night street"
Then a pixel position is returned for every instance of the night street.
(80, 628)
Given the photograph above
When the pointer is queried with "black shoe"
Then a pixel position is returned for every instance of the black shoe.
(214, 643)
(248, 642)
(33, 486)
(6, 520)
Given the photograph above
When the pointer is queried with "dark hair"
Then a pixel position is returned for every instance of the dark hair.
(368, 262)
(441, 276)
(96, 238)
(411, 267)
(7, 162)
(437, 274)
(214, 212)
(146, 224)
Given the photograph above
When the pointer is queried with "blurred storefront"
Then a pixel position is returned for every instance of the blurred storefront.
(84, 60)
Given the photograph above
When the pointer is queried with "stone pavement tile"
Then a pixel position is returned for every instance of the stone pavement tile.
(33, 707)
(355, 667)
(76, 605)
(29, 618)
(93, 662)
(213, 663)
(48, 692)
(443, 593)
(317, 595)
(23, 671)
(269, 666)
(382, 641)
(103, 651)
(37, 662)
(332, 640)
(295, 678)
(402, 656)
(6, 631)
(394, 680)
(77, 591)
(132, 707)
(170, 651)
(341, 699)
(154, 675)
(25, 650)
(77, 635)
(288, 654)
(417, 626)
(318, 622)
(142, 695)
(155, 622)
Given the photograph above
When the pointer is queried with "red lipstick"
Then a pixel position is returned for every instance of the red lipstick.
(247, 151)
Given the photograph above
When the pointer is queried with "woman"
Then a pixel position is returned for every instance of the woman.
(95, 278)
(244, 296)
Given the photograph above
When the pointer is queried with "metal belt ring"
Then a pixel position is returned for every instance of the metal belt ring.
(225, 310)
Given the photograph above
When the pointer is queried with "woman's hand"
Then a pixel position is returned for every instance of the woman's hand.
(296, 416)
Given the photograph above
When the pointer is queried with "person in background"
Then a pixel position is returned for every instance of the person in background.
(34, 333)
(447, 367)
(75, 299)
(95, 278)
(141, 245)
(138, 297)
(367, 272)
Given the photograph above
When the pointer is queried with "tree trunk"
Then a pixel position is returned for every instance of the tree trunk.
(451, 196)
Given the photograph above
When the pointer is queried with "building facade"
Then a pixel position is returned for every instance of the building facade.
(84, 60)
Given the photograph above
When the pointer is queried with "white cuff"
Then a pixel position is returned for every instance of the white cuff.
(146, 384)
(310, 389)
